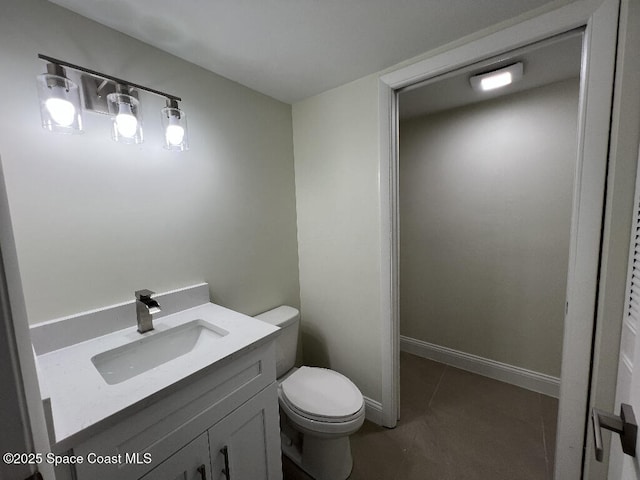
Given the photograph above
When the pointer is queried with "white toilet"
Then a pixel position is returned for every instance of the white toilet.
(319, 408)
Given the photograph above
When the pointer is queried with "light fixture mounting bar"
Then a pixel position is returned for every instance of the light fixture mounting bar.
(108, 77)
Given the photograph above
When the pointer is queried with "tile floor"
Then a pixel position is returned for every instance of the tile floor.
(455, 425)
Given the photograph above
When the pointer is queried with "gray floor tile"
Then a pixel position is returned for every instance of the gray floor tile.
(468, 394)
(549, 422)
(417, 467)
(451, 437)
(419, 379)
(377, 453)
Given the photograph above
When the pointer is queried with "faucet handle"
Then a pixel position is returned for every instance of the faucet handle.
(140, 294)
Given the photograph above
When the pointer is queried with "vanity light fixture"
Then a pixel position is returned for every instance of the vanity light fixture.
(61, 109)
(174, 124)
(497, 78)
(59, 101)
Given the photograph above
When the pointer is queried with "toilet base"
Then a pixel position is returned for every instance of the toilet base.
(322, 458)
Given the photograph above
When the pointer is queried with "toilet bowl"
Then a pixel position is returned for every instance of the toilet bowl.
(319, 408)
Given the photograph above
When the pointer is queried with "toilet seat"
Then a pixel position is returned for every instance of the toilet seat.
(321, 428)
(322, 395)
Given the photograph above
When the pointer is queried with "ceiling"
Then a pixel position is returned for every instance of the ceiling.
(546, 62)
(293, 49)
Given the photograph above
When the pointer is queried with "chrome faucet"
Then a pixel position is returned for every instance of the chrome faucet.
(146, 308)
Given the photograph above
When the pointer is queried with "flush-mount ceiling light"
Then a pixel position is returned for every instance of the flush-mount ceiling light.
(174, 123)
(59, 101)
(497, 78)
(105, 94)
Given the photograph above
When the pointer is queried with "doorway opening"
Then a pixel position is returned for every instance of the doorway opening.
(594, 125)
(486, 181)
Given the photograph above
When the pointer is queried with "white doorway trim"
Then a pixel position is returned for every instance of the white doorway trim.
(23, 399)
(599, 18)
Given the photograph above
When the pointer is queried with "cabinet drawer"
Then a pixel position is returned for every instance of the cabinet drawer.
(166, 425)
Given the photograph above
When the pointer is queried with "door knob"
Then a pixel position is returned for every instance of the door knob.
(625, 425)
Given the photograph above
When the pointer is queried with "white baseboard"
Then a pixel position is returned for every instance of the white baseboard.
(537, 382)
(373, 410)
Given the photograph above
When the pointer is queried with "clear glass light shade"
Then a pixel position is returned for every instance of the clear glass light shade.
(126, 118)
(174, 125)
(59, 104)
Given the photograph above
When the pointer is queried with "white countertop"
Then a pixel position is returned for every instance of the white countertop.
(81, 398)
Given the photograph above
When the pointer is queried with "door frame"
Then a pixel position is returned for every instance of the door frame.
(599, 18)
(621, 208)
(28, 428)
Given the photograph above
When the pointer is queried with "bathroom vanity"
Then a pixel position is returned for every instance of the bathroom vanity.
(224, 420)
(195, 398)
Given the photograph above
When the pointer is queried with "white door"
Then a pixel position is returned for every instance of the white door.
(621, 466)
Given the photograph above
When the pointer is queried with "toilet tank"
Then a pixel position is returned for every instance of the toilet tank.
(288, 319)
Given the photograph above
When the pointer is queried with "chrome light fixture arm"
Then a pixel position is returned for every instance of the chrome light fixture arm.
(116, 80)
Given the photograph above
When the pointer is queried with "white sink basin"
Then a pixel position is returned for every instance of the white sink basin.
(132, 359)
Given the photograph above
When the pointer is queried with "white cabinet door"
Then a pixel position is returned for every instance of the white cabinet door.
(189, 463)
(245, 445)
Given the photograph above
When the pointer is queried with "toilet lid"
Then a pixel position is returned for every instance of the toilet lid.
(319, 392)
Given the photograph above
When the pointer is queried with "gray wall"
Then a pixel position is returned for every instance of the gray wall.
(485, 209)
(95, 220)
